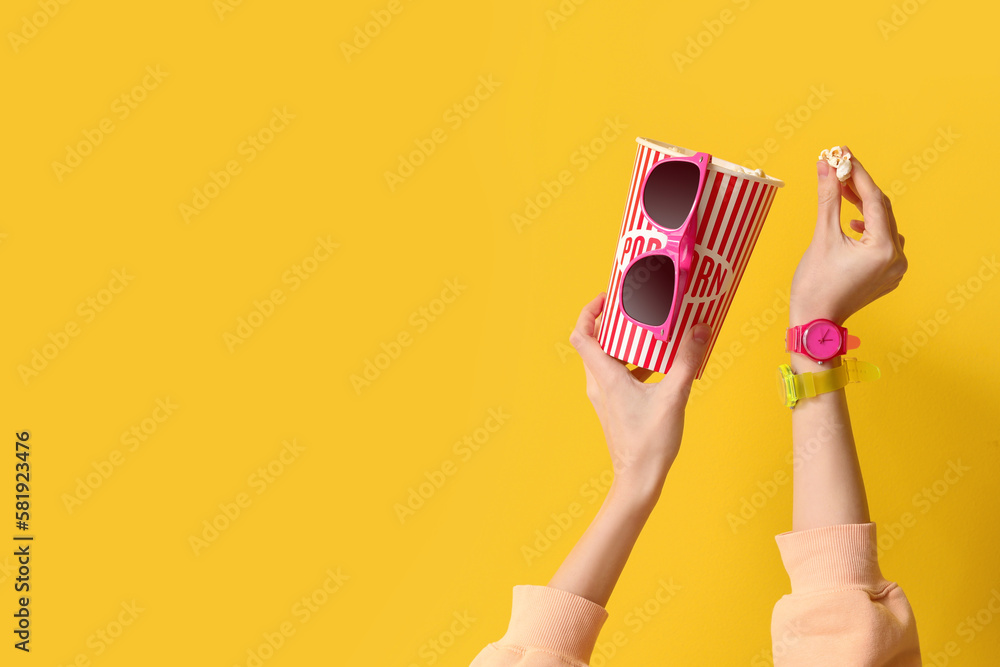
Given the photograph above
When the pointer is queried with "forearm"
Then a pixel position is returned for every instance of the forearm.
(828, 488)
(592, 568)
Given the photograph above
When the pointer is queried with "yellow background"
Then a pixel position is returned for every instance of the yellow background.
(500, 344)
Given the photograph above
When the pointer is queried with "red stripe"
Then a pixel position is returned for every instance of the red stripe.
(738, 270)
(617, 319)
(649, 355)
(698, 317)
(609, 309)
(659, 366)
(717, 181)
(648, 159)
(722, 211)
(633, 194)
(631, 334)
(614, 287)
(724, 304)
(722, 222)
(706, 215)
(753, 219)
(743, 218)
(606, 321)
(708, 353)
(754, 234)
(639, 154)
(711, 309)
(681, 325)
(675, 343)
(643, 333)
(757, 228)
(743, 242)
(620, 321)
(723, 310)
(717, 305)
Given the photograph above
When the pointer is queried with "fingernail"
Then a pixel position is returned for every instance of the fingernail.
(822, 168)
(701, 333)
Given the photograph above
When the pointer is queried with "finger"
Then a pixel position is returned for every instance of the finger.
(891, 216)
(850, 194)
(582, 338)
(590, 313)
(902, 241)
(828, 214)
(689, 357)
(872, 201)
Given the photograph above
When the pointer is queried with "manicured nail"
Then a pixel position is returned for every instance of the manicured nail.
(822, 168)
(701, 333)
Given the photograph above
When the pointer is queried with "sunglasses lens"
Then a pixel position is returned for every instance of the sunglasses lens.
(648, 290)
(670, 191)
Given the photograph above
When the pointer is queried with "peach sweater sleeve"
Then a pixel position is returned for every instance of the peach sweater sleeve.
(841, 610)
(548, 628)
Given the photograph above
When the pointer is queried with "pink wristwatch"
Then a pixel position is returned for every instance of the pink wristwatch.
(820, 340)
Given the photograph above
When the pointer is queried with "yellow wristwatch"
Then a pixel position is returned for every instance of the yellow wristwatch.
(792, 388)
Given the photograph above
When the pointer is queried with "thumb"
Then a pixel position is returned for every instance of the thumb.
(690, 354)
(828, 197)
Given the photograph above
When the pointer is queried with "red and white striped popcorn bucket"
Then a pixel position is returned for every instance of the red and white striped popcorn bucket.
(733, 206)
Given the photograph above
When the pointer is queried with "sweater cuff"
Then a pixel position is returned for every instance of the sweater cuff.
(554, 620)
(832, 558)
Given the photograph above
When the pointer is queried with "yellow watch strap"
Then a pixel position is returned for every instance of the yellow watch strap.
(808, 385)
(860, 371)
(830, 380)
(805, 384)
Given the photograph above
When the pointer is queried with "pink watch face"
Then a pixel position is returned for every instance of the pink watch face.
(822, 340)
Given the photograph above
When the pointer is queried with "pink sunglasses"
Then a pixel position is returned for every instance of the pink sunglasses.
(654, 283)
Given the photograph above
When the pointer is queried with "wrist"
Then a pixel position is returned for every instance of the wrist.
(802, 314)
(800, 363)
(634, 496)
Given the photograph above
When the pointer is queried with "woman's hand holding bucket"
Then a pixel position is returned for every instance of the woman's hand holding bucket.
(642, 422)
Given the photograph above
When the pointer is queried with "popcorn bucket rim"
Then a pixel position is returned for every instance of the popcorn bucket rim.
(717, 164)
